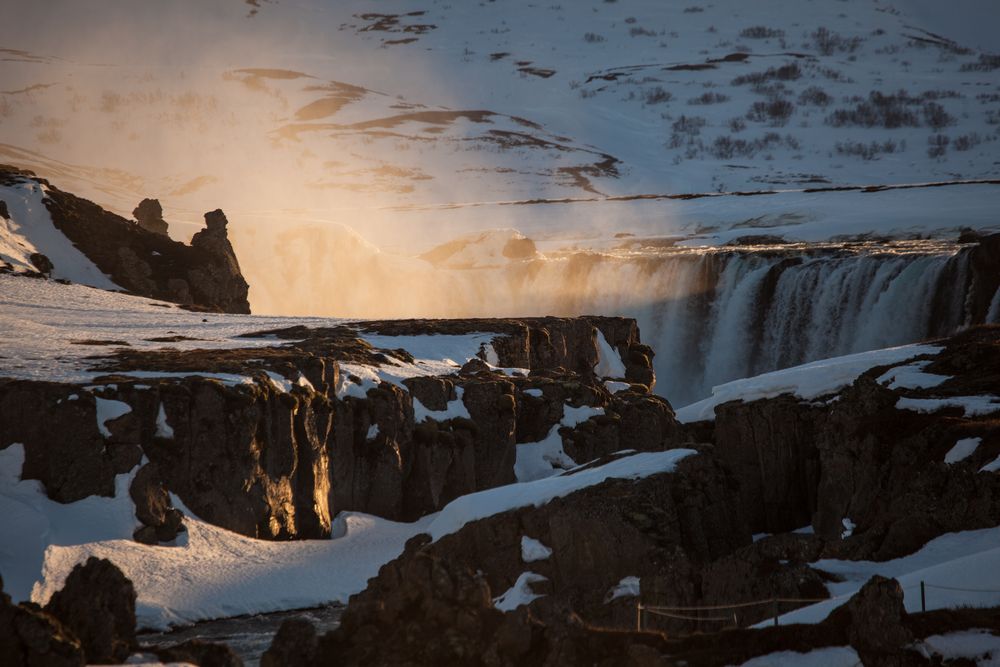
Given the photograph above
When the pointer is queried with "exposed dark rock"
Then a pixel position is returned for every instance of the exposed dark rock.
(294, 644)
(97, 604)
(161, 522)
(474, 366)
(149, 215)
(4, 213)
(41, 262)
(63, 448)
(984, 264)
(29, 636)
(201, 653)
(862, 458)
(757, 239)
(770, 445)
(520, 249)
(876, 622)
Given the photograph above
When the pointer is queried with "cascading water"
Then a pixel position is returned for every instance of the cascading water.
(711, 314)
(718, 315)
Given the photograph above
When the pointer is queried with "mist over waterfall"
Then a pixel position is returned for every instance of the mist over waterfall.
(760, 313)
(710, 314)
(716, 316)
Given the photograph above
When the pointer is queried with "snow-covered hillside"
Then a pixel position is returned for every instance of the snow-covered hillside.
(388, 119)
(28, 230)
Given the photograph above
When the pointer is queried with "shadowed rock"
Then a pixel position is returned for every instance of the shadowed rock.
(201, 653)
(97, 604)
(29, 636)
(149, 215)
(294, 645)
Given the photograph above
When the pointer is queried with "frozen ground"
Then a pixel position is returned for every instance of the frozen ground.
(53, 331)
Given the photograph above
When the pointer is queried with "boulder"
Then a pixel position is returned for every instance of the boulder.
(97, 604)
(876, 622)
(161, 522)
(201, 653)
(41, 262)
(29, 636)
(294, 645)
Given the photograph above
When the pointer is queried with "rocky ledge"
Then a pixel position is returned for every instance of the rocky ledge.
(273, 441)
(139, 257)
(869, 469)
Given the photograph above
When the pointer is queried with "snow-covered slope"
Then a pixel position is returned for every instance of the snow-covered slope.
(29, 230)
(958, 569)
(393, 118)
(807, 381)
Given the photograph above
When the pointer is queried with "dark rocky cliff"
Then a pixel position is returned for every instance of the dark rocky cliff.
(278, 464)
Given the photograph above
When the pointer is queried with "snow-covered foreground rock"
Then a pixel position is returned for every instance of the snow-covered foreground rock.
(369, 451)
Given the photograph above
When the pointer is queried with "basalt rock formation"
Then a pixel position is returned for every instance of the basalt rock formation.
(149, 215)
(141, 258)
(867, 459)
(29, 636)
(684, 538)
(90, 620)
(278, 462)
(425, 610)
(97, 604)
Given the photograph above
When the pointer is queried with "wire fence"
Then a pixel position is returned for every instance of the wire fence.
(694, 613)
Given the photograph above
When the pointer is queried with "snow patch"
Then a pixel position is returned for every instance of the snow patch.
(972, 406)
(831, 656)
(628, 587)
(486, 503)
(520, 593)
(807, 381)
(532, 550)
(537, 460)
(609, 362)
(30, 229)
(215, 573)
(992, 466)
(981, 646)
(109, 410)
(968, 561)
(490, 354)
(962, 450)
(911, 376)
(163, 429)
(455, 408)
(33, 525)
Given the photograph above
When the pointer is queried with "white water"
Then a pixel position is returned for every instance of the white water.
(716, 317)
(712, 315)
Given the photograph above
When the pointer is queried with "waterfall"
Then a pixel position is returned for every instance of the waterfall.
(718, 315)
(710, 314)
